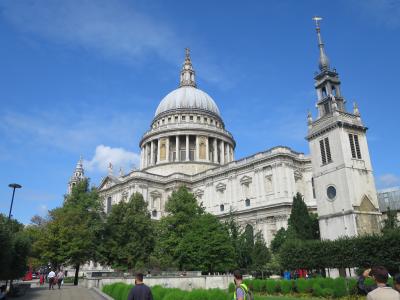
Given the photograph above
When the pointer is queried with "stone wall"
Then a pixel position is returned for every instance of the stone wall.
(181, 282)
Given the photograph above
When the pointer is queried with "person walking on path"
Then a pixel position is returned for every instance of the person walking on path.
(382, 291)
(60, 278)
(140, 291)
(51, 277)
(241, 290)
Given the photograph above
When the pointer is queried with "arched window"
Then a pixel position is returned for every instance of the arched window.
(221, 207)
(324, 94)
(154, 213)
(247, 202)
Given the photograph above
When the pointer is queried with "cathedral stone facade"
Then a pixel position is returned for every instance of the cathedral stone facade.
(188, 144)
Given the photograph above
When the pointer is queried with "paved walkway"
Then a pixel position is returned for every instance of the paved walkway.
(67, 292)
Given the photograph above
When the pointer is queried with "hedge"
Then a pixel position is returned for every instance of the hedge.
(317, 287)
(361, 252)
(120, 291)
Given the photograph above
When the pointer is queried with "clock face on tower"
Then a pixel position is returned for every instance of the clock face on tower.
(331, 192)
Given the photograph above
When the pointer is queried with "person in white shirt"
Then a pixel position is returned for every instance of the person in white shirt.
(51, 277)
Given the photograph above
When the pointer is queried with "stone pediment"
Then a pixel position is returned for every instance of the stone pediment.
(366, 205)
(246, 179)
(220, 187)
(198, 193)
(108, 182)
(155, 194)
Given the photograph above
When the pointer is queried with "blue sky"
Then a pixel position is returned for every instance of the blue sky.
(85, 77)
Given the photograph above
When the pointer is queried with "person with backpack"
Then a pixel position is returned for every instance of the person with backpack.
(242, 292)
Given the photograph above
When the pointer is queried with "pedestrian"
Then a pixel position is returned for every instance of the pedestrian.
(3, 292)
(60, 278)
(41, 278)
(51, 277)
(382, 292)
(396, 282)
(140, 291)
(242, 292)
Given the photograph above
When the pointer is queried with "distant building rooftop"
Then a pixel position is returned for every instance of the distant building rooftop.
(389, 197)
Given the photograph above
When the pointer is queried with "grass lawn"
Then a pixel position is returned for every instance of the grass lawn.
(281, 298)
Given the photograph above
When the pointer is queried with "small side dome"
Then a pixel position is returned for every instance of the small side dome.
(187, 97)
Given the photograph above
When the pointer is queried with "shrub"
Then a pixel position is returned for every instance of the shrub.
(317, 290)
(327, 293)
(257, 285)
(304, 286)
(196, 294)
(285, 286)
(217, 294)
(158, 292)
(340, 287)
(118, 291)
(352, 286)
(231, 287)
(271, 286)
(174, 294)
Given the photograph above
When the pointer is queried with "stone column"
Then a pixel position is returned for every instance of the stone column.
(227, 153)
(158, 150)
(167, 149)
(215, 145)
(207, 149)
(177, 148)
(187, 147)
(196, 151)
(152, 153)
(222, 149)
(141, 158)
(233, 153)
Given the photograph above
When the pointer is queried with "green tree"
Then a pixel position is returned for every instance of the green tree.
(261, 254)
(300, 220)
(391, 221)
(183, 210)
(73, 231)
(207, 246)
(15, 247)
(129, 234)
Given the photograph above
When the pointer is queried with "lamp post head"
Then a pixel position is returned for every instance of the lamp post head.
(15, 185)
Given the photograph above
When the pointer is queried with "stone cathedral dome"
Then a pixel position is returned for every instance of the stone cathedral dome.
(187, 97)
(187, 134)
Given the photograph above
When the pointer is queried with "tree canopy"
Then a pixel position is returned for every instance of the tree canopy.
(128, 238)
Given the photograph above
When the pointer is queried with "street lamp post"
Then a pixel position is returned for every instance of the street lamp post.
(13, 186)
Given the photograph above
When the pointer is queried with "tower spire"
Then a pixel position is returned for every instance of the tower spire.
(187, 73)
(323, 58)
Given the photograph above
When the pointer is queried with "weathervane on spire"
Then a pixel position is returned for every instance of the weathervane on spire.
(317, 19)
(323, 59)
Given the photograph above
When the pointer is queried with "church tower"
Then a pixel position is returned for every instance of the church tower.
(342, 173)
(77, 176)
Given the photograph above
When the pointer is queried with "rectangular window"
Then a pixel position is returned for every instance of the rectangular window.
(313, 187)
(358, 151)
(328, 151)
(321, 145)
(353, 149)
(354, 146)
(325, 151)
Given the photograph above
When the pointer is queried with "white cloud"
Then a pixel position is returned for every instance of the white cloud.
(115, 28)
(69, 131)
(388, 180)
(118, 157)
